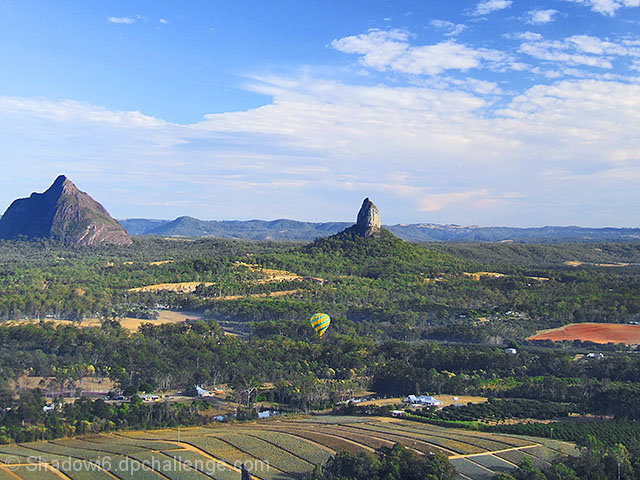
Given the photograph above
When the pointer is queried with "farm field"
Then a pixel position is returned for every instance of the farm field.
(273, 450)
(446, 400)
(131, 324)
(593, 332)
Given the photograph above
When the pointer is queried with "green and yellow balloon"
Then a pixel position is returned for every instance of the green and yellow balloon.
(320, 322)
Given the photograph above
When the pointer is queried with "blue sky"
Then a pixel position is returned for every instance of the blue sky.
(491, 112)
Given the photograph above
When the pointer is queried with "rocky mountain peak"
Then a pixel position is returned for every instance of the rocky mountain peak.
(368, 221)
(62, 213)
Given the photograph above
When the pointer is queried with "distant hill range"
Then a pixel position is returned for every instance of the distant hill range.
(293, 230)
(62, 213)
(69, 215)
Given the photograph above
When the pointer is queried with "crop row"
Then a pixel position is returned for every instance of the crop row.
(484, 441)
(516, 456)
(230, 454)
(436, 441)
(355, 436)
(311, 452)
(170, 467)
(73, 467)
(493, 463)
(334, 443)
(267, 452)
(212, 468)
(451, 445)
(34, 472)
(130, 444)
(410, 441)
(488, 441)
(472, 470)
(5, 475)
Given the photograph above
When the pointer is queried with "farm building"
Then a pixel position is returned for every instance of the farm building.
(150, 398)
(202, 392)
(423, 400)
(206, 393)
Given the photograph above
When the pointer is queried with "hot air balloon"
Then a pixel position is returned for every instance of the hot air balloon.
(320, 322)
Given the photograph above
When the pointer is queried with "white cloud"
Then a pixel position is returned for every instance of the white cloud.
(391, 50)
(537, 17)
(68, 110)
(164, 21)
(122, 20)
(379, 47)
(530, 36)
(452, 29)
(567, 148)
(577, 50)
(607, 7)
(488, 6)
(596, 46)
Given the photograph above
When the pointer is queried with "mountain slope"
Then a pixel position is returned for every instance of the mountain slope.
(250, 229)
(140, 226)
(62, 213)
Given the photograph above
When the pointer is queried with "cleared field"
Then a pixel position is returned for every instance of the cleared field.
(178, 287)
(479, 275)
(279, 293)
(573, 263)
(593, 332)
(445, 399)
(131, 324)
(277, 449)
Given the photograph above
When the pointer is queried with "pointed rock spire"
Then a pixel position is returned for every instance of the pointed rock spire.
(368, 221)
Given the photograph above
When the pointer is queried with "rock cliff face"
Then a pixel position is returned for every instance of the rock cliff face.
(368, 221)
(62, 213)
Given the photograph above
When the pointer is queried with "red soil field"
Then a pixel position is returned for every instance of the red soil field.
(593, 332)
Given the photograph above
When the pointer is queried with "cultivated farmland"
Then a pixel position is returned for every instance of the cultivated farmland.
(593, 332)
(278, 449)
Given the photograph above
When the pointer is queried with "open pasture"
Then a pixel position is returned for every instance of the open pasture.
(277, 449)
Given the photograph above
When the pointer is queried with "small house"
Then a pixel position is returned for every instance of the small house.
(202, 392)
(423, 400)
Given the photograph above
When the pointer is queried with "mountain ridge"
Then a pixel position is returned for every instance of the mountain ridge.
(295, 230)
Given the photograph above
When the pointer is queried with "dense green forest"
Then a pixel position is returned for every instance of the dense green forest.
(406, 319)
(387, 288)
